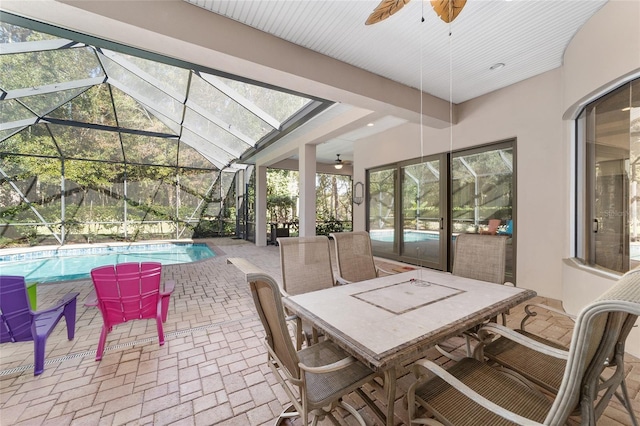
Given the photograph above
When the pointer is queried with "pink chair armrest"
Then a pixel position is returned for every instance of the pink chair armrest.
(169, 286)
(163, 301)
(92, 299)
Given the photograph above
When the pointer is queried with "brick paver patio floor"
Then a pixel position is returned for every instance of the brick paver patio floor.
(211, 370)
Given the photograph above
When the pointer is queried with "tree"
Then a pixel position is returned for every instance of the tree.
(282, 195)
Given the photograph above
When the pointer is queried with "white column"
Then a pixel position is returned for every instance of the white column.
(261, 205)
(307, 172)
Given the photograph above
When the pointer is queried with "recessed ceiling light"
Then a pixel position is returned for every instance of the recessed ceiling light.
(370, 125)
(626, 109)
(496, 66)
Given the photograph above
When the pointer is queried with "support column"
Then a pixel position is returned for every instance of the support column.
(307, 189)
(261, 205)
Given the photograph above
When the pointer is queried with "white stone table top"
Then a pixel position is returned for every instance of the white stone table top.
(393, 319)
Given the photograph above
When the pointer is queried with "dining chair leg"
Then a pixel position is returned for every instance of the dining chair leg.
(626, 402)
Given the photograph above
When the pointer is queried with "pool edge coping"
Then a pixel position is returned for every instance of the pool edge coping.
(24, 250)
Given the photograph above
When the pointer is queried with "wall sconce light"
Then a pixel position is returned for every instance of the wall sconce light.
(358, 193)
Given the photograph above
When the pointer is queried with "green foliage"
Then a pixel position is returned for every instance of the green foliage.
(328, 226)
(214, 228)
(333, 197)
(28, 233)
(280, 208)
(6, 242)
(282, 194)
(78, 171)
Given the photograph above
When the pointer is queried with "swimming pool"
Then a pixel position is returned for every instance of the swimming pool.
(46, 266)
(386, 236)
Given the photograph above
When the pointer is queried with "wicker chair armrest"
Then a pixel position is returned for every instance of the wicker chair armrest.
(549, 308)
(384, 271)
(244, 265)
(342, 281)
(283, 292)
(529, 313)
(487, 331)
(433, 368)
(338, 365)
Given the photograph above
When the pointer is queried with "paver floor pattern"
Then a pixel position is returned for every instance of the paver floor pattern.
(212, 369)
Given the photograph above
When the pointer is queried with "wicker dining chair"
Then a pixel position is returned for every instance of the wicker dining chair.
(306, 266)
(355, 257)
(517, 351)
(315, 378)
(472, 392)
(479, 257)
(305, 263)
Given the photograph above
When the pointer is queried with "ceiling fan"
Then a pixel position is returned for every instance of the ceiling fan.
(339, 162)
(447, 10)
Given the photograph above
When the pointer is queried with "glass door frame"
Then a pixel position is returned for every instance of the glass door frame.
(443, 203)
(446, 258)
(398, 242)
(495, 146)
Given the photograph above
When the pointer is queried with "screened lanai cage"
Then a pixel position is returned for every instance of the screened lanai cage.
(100, 141)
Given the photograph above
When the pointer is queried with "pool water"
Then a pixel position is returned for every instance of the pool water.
(409, 236)
(63, 265)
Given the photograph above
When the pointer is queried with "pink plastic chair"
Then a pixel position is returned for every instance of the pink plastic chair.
(129, 291)
(492, 228)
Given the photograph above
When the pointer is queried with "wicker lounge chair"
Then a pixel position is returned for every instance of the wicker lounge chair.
(355, 257)
(306, 266)
(472, 392)
(315, 378)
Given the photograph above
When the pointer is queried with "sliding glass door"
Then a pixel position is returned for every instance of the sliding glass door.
(382, 211)
(423, 218)
(417, 208)
(482, 195)
(406, 215)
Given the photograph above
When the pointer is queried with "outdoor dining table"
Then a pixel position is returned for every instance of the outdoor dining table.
(389, 322)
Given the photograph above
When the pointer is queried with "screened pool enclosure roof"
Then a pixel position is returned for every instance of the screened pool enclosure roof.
(99, 103)
(102, 140)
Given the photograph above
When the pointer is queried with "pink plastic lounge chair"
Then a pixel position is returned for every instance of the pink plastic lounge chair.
(129, 291)
(20, 324)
